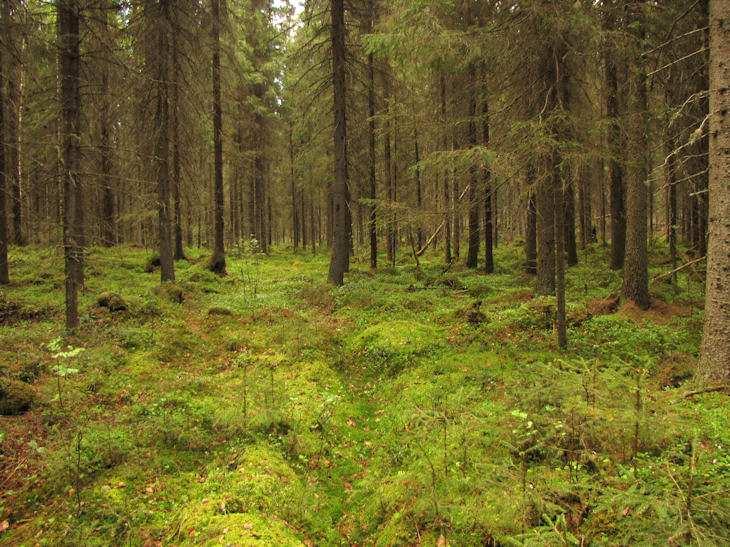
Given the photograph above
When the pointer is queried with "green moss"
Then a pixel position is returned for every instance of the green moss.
(392, 345)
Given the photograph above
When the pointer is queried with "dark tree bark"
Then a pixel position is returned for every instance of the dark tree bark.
(293, 190)
(531, 236)
(714, 363)
(445, 174)
(636, 273)
(4, 273)
(12, 104)
(615, 147)
(108, 213)
(372, 217)
(472, 255)
(487, 178)
(560, 233)
(545, 207)
(571, 248)
(218, 260)
(162, 144)
(419, 190)
(389, 173)
(340, 257)
(68, 17)
(179, 252)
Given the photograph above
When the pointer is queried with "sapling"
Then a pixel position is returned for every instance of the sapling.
(64, 366)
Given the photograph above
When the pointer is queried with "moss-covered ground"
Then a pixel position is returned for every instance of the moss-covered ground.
(407, 407)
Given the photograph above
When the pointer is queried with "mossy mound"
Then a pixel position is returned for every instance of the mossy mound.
(15, 397)
(111, 301)
(392, 345)
(152, 263)
(223, 525)
(171, 292)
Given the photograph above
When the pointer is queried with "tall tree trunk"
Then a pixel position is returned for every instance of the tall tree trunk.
(4, 273)
(445, 173)
(218, 260)
(372, 167)
(372, 218)
(559, 215)
(340, 257)
(167, 266)
(109, 221)
(636, 273)
(13, 99)
(294, 192)
(714, 363)
(615, 147)
(419, 190)
(179, 252)
(487, 178)
(472, 255)
(70, 97)
(389, 175)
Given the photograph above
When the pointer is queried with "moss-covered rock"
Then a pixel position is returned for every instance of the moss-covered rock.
(111, 301)
(15, 397)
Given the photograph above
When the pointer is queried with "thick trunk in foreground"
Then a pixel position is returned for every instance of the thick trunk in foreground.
(340, 257)
(715, 353)
(70, 98)
(218, 260)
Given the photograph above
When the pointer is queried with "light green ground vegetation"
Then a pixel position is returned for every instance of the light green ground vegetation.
(268, 408)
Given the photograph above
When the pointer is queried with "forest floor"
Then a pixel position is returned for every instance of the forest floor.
(416, 407)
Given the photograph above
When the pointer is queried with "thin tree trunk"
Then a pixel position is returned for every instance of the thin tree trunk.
(108, 224)
(445, 174)
(4, 273)
(218, 260)
(615, 147)
(167, 266)
(419, 190)
(531, 236)
(545, 210)
(487, 176)
(179, 252)
(372, 218)
(340, 257)
(70, 97)
(472, 255)
(12, 123)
